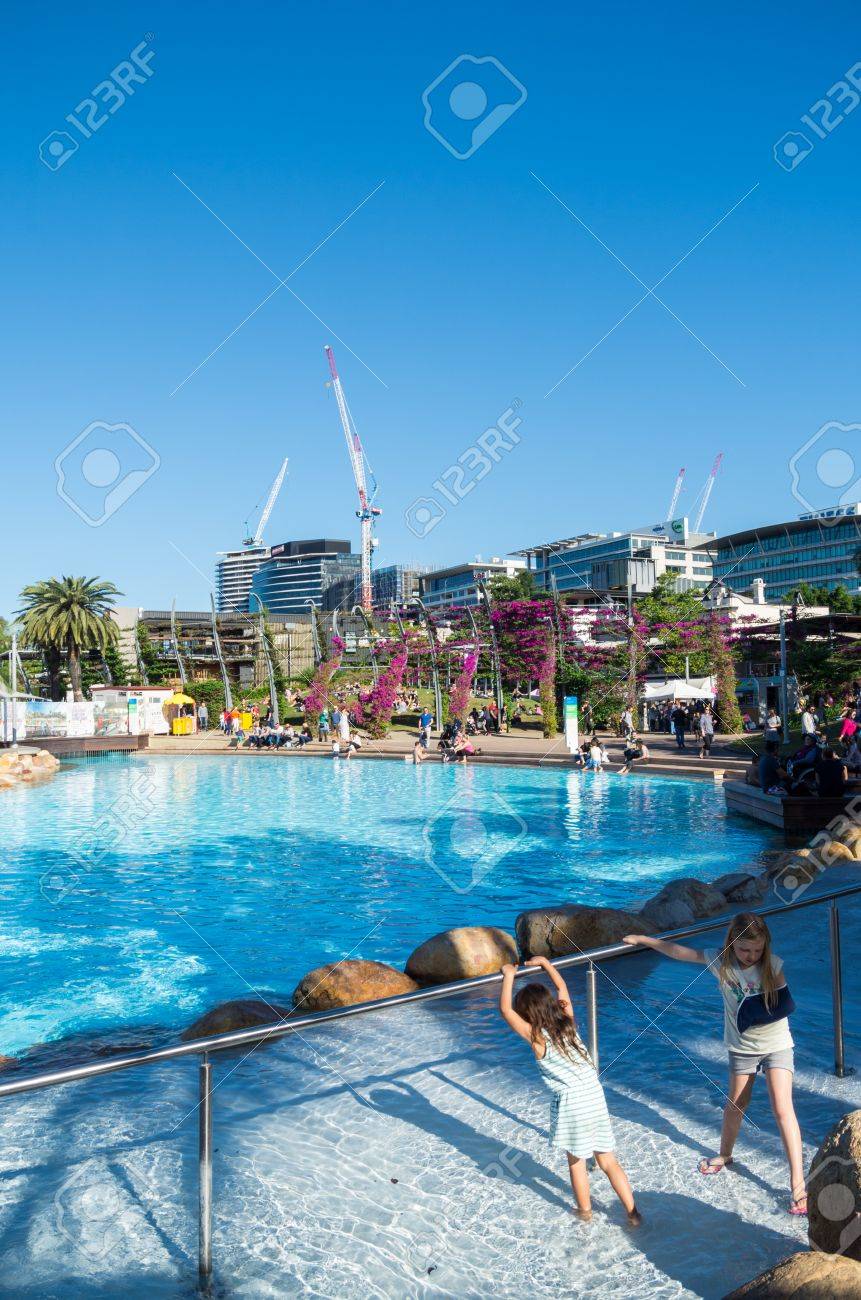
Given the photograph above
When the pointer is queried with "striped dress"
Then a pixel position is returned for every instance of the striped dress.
(580, 1122)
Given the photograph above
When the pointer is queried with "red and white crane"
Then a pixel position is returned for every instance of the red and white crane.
(707, 491)
(367, 512)
(674, 499)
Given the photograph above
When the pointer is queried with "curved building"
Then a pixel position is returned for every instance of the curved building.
(321, 570)
(821, 549)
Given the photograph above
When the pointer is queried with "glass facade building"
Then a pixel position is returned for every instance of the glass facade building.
(593, 564)
(394, 582)
(821, 549)
(322, 570)
(458, 585)
(234, 573)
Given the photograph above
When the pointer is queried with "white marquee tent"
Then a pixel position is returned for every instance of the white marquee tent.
(676, 688)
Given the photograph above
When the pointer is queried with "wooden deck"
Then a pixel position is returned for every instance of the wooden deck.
(794, 816)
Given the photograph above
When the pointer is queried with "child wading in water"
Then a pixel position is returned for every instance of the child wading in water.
(756, 1033)
(580, 1123)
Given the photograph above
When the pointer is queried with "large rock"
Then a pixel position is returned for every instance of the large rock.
(573, 927)
(241, 1013)
(342, 983)
(806, 1276)
(827, 851)
(834, 1191)
(682, 902)
(461, 954)
(740, 887)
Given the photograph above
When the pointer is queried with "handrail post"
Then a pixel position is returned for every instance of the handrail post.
(204, 1160)
(592, 1010)
(837, 991)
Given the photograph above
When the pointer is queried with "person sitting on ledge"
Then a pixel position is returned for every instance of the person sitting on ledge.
(802, 767)
(772, 776)
(831, 775)
(634, 751)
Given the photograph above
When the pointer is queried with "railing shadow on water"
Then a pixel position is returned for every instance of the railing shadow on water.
(399, 1099)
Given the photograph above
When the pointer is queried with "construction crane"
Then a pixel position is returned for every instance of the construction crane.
(674, 499)
(256, 538)
(707, 491)
(367, 512)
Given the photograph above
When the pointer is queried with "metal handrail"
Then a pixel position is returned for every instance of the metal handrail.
(262, 1033)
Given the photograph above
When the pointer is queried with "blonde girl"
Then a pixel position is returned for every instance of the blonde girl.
(757, 1003)
(580, 1124)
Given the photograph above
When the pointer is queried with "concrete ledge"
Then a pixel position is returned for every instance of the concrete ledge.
(795, 816)
(76, 746)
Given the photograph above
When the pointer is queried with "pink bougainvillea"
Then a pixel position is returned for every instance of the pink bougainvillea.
(374, 707)
(317, 698)
(461, 691)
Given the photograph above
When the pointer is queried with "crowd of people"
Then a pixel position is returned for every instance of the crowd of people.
(819, 765)
(682, 718)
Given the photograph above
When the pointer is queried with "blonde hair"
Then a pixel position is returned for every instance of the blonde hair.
(747, 925)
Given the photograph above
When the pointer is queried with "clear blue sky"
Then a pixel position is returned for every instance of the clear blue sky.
(462, 284)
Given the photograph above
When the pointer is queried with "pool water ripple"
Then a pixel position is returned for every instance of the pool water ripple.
(215, 876)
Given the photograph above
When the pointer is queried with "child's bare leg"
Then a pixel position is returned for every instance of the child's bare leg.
(580, 1185)
(740, 1089)
(609, 1165)
(780, 1091)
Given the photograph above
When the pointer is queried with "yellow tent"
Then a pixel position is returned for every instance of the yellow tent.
(180, 725)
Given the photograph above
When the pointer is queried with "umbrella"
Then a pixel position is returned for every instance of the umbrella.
(178, 698)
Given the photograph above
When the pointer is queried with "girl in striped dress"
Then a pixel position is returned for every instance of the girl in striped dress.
(580, 1124)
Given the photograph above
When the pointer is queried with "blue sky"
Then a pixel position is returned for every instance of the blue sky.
(459, 285)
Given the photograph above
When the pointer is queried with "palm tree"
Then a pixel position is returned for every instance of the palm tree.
(71, 615)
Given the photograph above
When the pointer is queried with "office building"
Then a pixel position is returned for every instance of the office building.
(234, 571)
(592, 566)
(820, 549)
(322, 570)
(458, 585)
(394, 583)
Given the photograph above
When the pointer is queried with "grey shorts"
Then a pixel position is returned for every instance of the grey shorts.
(759, 1062)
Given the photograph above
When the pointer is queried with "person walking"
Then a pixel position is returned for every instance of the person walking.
(425, 724)
(773, 726)
(706, 729)
(808, 722)
(679, 720)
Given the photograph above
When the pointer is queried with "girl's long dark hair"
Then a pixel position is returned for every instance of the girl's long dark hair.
(542, 1011)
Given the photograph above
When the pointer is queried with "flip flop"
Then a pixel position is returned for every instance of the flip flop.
(796, 1203)
(708, 1167)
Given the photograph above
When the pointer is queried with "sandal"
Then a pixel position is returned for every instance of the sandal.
(714, 1165)
(798, 1204)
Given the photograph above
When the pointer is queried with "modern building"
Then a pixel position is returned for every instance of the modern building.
(458, 585)
(592, 566)
(322, 570)
(396, 583)
(234, 571)
(821, 549)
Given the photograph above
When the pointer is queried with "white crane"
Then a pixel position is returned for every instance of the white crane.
(256, 538)
(674, 499)
(707, 491)
(367, 511)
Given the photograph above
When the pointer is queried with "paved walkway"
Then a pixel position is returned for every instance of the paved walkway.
(513, 747)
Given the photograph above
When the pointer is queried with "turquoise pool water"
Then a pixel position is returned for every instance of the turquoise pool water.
(139, 892)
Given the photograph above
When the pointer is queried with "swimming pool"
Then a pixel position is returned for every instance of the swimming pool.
(139, 892)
